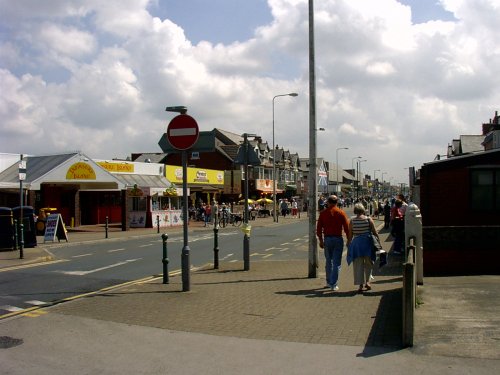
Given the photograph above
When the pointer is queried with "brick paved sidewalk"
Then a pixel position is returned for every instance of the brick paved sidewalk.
(274, 300)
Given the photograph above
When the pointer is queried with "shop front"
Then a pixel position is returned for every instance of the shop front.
(205, 185)
(151, 200)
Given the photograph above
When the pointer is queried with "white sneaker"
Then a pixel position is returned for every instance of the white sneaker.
(335, 288)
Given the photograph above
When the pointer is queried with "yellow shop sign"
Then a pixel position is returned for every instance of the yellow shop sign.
(80, 171)
(195, 175)
(117, 167)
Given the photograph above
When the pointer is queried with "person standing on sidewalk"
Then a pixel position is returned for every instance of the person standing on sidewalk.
(331, 222)
(360, 245)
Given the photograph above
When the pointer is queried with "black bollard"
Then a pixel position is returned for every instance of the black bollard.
(216, 246)
(165, 261)
(15, 235)
(158, 223)
(106, 227)
(21, 241)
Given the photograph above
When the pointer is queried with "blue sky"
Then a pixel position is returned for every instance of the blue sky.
(396, 81)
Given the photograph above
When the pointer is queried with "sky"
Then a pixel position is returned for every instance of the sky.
(396, 81)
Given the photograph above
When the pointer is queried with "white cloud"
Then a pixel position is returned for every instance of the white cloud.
(98, 76)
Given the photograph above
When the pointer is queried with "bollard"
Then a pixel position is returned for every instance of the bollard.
(15, 235)
(413, 228)
(106, 227)
(246, 228)
(158, 223)
(165, 261)
(21, 240)
(216, 246)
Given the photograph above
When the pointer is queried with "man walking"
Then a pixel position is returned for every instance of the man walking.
(331, 222)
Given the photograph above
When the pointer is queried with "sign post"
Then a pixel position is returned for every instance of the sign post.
(182, 134)
(22, 177)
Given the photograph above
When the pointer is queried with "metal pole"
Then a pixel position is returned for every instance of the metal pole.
(313, 250)
(15, 234)
(21, 218)
(185, 250)
(216, 239)
(246, 238)
(165, 260)
(274, 171)
(106, 227)
(158, 223)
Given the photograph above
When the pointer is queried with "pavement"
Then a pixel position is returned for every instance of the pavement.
(270, 319)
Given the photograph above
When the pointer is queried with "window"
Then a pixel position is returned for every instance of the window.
(485, 189)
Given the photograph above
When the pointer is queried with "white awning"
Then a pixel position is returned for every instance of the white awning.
(143, 181)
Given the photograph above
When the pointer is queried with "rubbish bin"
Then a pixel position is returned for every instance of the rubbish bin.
(6, 228)
(29, 230)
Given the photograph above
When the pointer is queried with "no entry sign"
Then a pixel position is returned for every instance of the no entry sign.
(182, 132)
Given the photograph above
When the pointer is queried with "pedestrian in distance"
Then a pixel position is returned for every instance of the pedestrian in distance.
(331, 222)
(398, 226)
(360, 247)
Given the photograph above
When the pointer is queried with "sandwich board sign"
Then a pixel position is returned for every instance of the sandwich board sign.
(54, 226)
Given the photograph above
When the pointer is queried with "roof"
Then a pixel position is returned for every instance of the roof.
(151, 157)
(153, 181)
(36, 167)
(471, 143)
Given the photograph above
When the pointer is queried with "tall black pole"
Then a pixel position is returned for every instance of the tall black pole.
(246, 237)
(21, 218)
(312, 186)
(185, 249)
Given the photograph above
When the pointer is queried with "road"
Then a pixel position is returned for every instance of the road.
(89, 267)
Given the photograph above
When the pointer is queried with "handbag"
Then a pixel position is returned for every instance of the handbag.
(378, 250)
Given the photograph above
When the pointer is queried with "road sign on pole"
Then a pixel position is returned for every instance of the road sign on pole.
(182, 132)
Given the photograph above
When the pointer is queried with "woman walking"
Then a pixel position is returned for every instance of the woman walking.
(360, 247)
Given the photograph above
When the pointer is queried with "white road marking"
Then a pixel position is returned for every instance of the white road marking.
(146, 245)
(115, 250)
(82, 255)
(284, 249)
(267, 256)
(36, 302)
(11, 308)
(83, 273)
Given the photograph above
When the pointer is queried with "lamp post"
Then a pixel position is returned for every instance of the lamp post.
(374, 180)
(360, 178)
(337, 164)
(383, 184)
(274, 158)
(311, 179)
(354, 171)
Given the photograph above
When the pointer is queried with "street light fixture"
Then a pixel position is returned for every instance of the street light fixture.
(337, 165)
(275, 218)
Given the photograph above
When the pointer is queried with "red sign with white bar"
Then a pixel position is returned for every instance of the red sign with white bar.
(182, 132)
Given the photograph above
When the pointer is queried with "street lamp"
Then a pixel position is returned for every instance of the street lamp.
(360, 178)
(275, 219)
(352, 167)
(337, 163)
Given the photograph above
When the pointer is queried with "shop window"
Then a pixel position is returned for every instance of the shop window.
(138, 204)
(485, 189)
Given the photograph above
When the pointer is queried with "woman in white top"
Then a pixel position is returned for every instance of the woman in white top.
(360, 247)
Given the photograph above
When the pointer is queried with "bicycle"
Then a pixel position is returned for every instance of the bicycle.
(234, 219)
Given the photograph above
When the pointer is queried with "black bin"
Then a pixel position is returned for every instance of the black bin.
(6, 228)
(29, 229)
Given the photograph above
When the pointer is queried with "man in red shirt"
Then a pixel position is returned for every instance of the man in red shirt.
(332, 220)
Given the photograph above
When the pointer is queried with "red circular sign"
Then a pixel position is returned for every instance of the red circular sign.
(182, 132)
